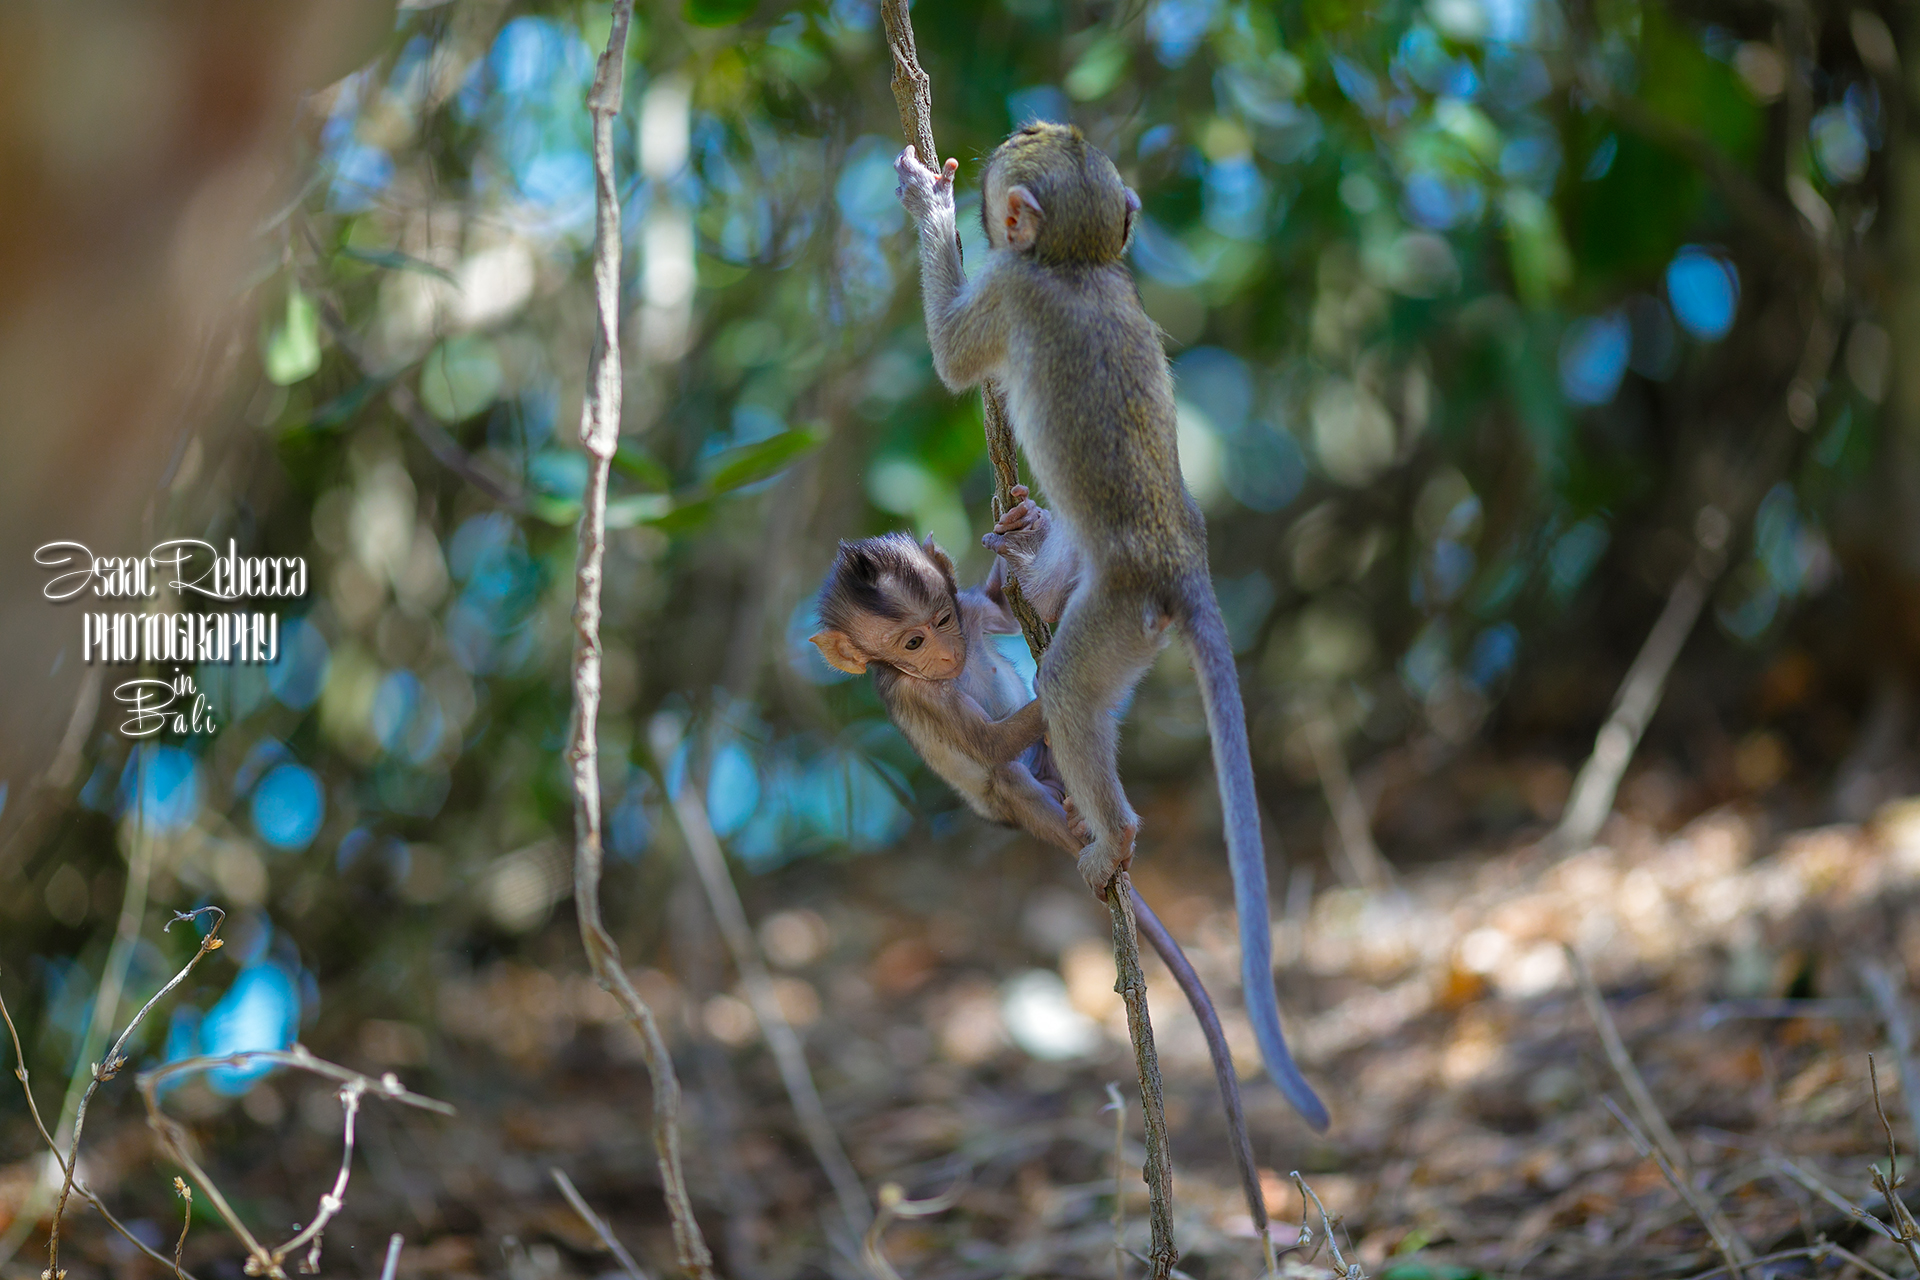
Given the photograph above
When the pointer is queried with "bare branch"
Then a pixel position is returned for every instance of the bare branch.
(597, 1223)
(894, 1204)
(1731, 1247)
(1118, 1105)
(1131, 983)
(788, 1053)
(913, 94)
(185, 1192)
(1884, 990)
(1905, 1230)
(106, 1069)
(1813, 1183)
(392, 1264)
(599, 435)
(1327, 1225)
(260, 1259)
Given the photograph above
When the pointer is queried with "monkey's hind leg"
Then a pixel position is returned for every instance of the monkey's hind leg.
(1030, 805)
(1098, 654)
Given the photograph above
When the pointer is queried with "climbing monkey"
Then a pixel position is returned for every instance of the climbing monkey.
(890, 606)
(1053, 316)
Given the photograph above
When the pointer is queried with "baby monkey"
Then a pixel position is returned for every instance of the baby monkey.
(891, 606)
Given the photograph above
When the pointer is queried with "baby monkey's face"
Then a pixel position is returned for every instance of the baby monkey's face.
(926, 643)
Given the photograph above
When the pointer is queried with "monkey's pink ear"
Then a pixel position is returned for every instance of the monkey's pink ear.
(1024, 216)
(838, 648)
(941, 560)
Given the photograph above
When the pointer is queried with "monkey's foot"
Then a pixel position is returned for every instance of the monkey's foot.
(1102, 860)
(921, 190)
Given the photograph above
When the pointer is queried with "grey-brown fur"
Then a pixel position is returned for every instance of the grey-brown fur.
(1053, 316)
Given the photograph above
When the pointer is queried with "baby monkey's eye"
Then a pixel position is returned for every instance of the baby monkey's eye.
(915, 642)
(946, 620)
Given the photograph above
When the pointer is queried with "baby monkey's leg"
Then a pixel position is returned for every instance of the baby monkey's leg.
(1034, 806)
(1098, 654)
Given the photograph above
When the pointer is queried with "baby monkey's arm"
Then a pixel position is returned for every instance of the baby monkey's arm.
(944, 711)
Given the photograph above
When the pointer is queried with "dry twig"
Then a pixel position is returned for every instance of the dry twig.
(1664, 1148)
(894, 1204)
(1813, 1183)
(1349, 1271)
(597, 1223)
(53, 1149)
(1622, 1063)
(599, 435)
(1816, 1252)
(789, 1055)
(1732, 1248)
(1884, 989)
(1131, 983)
(1351, 822)
(185, 1192)
(1118, 1105)
(262, 1261)
(392, 1264)
(108, 1067)
(1905, 1231)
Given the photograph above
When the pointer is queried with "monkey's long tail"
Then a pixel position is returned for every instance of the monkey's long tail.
(1227, 726)
(1183, 973)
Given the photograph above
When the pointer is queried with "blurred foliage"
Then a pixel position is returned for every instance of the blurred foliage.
(1464, 336)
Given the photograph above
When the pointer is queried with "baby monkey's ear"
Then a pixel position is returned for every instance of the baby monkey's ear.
(941, 561)
(841, 653)
(1024, 216)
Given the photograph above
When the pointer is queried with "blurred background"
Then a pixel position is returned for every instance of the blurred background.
(1502, 331)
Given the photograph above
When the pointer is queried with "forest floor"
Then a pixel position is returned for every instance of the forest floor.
(1441, 1019)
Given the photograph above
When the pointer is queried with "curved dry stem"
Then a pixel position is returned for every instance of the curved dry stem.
(262, 1261)
(599, 434)
(105, 1070)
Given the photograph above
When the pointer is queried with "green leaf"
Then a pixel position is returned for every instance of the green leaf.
(638, 508)
(682, 518)
(1541, 264)
(717, 13)
(559, 512)
(394, 260)
(292, 351)
(1682, 82)
(640, 467)
(1098, 70)
(750, 462)
(459, 378)
(346, 404)
(1412, 1270)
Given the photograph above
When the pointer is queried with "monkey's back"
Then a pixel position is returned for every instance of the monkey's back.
(1091, 400)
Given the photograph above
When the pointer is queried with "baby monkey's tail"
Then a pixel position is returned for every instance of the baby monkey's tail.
(1227, 727)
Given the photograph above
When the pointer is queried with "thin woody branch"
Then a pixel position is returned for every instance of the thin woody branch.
(599, 435)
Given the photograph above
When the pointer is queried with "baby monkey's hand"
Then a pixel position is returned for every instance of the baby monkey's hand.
(1017, 535)
(921, 190)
